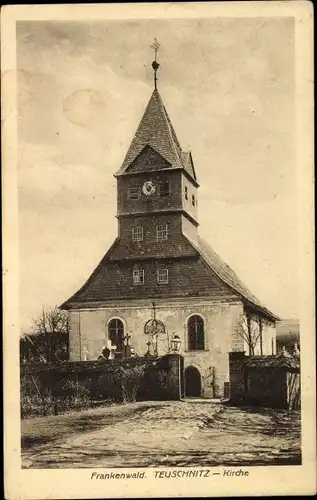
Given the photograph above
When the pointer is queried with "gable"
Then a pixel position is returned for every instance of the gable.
(113, 280)
(155, 129)
(148, 160)
(188, 164)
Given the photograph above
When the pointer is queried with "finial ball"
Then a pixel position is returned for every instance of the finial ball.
(155, 65)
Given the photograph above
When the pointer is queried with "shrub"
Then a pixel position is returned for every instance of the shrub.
(34, 404)
(53, 391)
(131, 379)
(71, 395)
(42, 397)
(120, 385)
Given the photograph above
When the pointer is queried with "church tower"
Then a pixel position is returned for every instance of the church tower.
(159, 265)
(156, 191)
(156, 188)
(157, 179)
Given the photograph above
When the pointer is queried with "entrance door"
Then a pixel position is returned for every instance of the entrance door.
(192, 382)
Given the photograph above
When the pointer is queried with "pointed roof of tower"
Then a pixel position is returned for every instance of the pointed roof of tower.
(156, 130)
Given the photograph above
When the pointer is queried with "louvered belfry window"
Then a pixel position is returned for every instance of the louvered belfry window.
(164, 189)
(116, 333)
(196, 333)
(134, 193)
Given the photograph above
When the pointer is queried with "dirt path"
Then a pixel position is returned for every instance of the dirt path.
(178, 434)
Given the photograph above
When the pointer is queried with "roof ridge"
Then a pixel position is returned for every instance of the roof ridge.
(136, 133)
(173, 137)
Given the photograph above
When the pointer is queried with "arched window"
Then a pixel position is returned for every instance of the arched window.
(116, 332)
(196, 333)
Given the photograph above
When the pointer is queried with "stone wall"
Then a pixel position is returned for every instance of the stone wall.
(163, 379)
(157, 378)
(89, 334)
(271, 381)
(267, 387)
(237, 377)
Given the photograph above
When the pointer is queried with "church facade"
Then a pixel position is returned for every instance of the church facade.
(160, 268)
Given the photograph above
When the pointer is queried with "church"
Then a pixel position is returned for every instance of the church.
(159, 271)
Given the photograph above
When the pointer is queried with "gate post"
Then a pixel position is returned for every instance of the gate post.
(175, 376)
(237, 377)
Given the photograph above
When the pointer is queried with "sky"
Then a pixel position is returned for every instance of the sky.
(228, 86)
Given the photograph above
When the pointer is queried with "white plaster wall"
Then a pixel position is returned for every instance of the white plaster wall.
(74, 337)
(255, 328)
(92, 330)
(187, 204)
(189, 230)
(89, 331)
(238, 343)
(269, 336)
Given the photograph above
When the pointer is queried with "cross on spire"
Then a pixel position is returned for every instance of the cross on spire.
(155, 65)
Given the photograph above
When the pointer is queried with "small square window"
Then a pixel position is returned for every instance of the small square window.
(164, 189)
(161, 232)
(193, 200)
(134, 193)
(138, 276)
(162, 276)
(137, 233)
(186, 193)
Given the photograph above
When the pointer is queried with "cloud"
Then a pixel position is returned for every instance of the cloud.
(228, 85)
(259, 241)
(84, 107)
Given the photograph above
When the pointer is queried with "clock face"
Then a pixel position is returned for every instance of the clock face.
(148, 188)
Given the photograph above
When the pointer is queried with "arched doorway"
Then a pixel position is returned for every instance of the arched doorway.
(192, 382)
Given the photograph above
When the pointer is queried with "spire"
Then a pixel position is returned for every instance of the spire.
(156, 132)
(155, 65)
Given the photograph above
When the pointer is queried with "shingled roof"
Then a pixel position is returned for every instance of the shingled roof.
(228, 276)
(280, 361)
(110, 266)
(156, 130)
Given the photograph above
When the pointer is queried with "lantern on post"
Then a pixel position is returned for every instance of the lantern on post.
(176, 343)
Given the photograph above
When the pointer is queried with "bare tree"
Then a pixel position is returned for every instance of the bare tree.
(250, 329)
(47, 340)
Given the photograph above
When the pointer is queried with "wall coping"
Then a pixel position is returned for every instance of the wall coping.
(95, 364)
